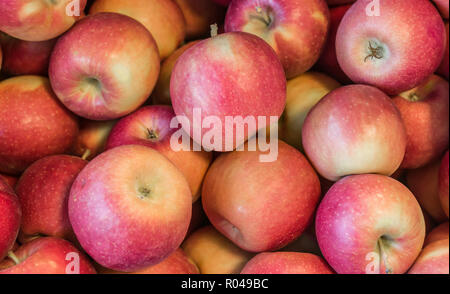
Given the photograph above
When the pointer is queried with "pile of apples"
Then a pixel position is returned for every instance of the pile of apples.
(90, 181)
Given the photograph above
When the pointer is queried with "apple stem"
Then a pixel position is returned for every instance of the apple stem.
(413, 97)
(375, 52)
(13, 257)
(86, 154)
(214, 30)
(383, 257)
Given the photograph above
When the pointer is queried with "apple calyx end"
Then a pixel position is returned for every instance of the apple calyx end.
(375, 52)
(152, 135)
(143, 193)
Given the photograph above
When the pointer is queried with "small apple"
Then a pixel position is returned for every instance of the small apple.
(10, 217)
(443, 183)
(434, 259)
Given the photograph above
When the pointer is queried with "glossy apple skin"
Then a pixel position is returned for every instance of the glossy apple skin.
(43, 190)
(214, 78)
(102, 86)
(25, 57)
(33, 123)
(11, 214)
(130, 187)
(161, 93)
(425, 114)
(355, 129)
(443, 183)
(287, 263)
(424, 184)
(303, 92)
(443, 69)
(298, 44)
(434, 259)
(443, 6)
(155, 119)
(46, 255)
(242, 197)
(10, 180)
(440, 232)
(328, 62)
(163, 18)
(214, 253)
(361, 211)
(32, 20)
(178, 263)
(199, 16)
(409, 35)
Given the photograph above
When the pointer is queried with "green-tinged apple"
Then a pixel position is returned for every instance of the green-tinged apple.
(438, 233)
(10, 218)
(261, 206)
(38, 20)
(33, 123)
(101, 86)
(443, 183)
(434, 259)
(163, 18)
(394, 46)
(370, 224)
(355, 129)
(150, 126)
(425, 114)
(214, 253)
(43, 190)
(287, 263)
(424, 184)
(136, 187)
(47, 255)
(296, 29)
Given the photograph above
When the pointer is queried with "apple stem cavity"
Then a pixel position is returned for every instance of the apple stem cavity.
(152, 135)
(214, 30)
(13, 257)
(383, 255)
(375, 52)
(262, 16)
(413, 97)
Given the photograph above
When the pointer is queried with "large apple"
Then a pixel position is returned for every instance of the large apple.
(424, 184)
(355, 129)
(33, 123)
(25, 57)
(261, 206)
(425, 114)
(233, 75)
(163, 18)
(296, 29)
(443, 183)
(287, 263)
(38, 20)
(43, 190)
(434, 259)
(394, 46)
(130, 208)
(151, 126)
(47, 255)
(10, 218)
(103, 86)
(214, 253)
(370, 224)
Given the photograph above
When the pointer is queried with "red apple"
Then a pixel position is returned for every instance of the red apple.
(47, 255)
(10, 217)
(328, 62)
(92, 138)
(355, 129)
(443, 7)
(286, 263)
(163, 18)
(439, 233)
(10, 180)
(261, 206)
(443, 69)
(130, 187)
(213, 79)
(214, 253)
(25, 57)
(103, 86)
(395, 47)
(434, 259)
(443, 183)
(370, 224)
(33, 123)
(296, 29)
(43, 190)
(425, 113)
(424, 184)
(40, 20)
(150, 126)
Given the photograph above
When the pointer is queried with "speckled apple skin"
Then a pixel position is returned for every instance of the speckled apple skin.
(231, 74)
(43, 190)
(125, 75)
(287, 263)
(357, 211)
(443, 183)
(434, 259)
(297, 34)
(119, 229)
(414, 36)
(10, 217)
(355, 129)
(33, 123)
